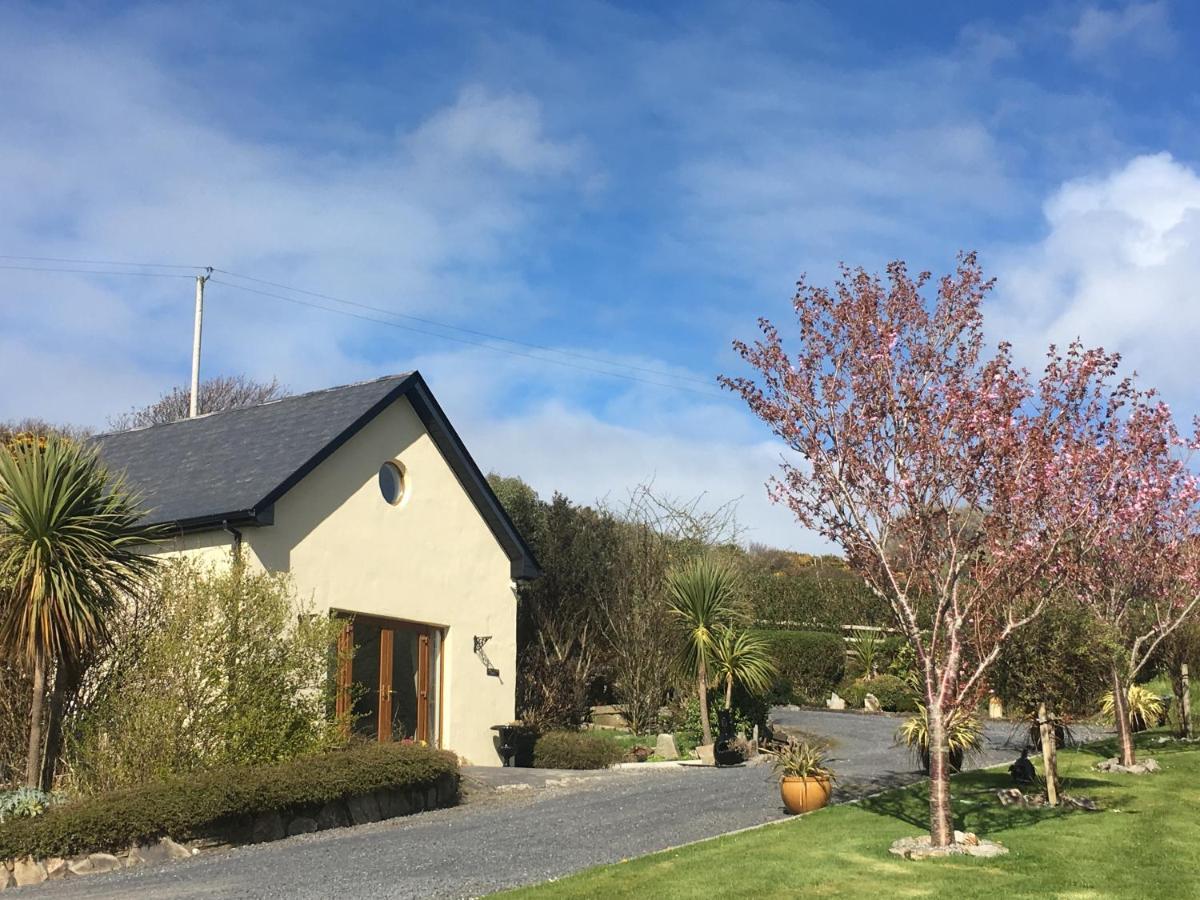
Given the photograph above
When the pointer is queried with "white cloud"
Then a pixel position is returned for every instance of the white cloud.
(1099, 35)
(108, 153)
(1119, 267)
(686, 445)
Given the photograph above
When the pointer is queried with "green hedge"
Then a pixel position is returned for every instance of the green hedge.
(210, 802)
(892, 692)
(576, 750)
(811, 664)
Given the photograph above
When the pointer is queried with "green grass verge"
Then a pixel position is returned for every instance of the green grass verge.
(1146, 843)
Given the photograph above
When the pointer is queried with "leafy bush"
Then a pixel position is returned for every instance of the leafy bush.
(24, 803)
(810, 663)
(748, 710)
(1062, 660)
(216, 666)
(204, 804)
(893, 693)
(823, 594)
(576, 750)
(15, 691)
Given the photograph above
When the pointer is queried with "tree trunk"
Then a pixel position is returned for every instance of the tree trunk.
(1049, 753)
(702, 682)
(729, 692)
(33, 758)
(1185, 702)
(1121, 714)
(54, 715)
(941, 821)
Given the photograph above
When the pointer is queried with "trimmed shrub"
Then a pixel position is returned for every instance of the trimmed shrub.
(892, 692)
(576, 750)
(811, 664)
(215, 802)
(748, 710)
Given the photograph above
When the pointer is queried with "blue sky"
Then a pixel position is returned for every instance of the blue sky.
(632, 182)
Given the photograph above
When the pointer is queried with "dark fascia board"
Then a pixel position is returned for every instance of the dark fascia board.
(523, 564)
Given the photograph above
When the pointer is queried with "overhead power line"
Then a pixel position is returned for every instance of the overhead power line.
(615, 369)
(92, 271)
(101, 262)
(484, 334)
(462, 340)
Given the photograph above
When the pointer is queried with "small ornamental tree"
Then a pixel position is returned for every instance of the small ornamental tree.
(1135, 561)
(925, 463)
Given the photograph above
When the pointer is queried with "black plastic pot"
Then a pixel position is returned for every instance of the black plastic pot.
(1035, 736)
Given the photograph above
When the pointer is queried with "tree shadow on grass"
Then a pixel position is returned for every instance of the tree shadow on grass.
(976, 807)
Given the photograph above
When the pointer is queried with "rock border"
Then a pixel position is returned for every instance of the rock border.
(965, 844)
(267, 826)
(1145, 767)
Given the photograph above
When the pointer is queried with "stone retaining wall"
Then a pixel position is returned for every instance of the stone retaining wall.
(268, 826)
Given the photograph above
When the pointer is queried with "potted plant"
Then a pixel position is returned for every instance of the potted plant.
(964, 737)
(805, 781)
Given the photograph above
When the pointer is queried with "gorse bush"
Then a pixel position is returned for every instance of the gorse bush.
(212, 667)
(212, 802)
(810, 664)
(576, 750)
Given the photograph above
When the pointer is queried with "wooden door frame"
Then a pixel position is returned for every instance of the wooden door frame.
(387, 630)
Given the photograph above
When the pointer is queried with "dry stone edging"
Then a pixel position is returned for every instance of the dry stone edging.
(965, 844)
(260, 828)
(1145, 767)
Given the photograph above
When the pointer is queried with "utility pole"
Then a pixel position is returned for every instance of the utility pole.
(194, 399)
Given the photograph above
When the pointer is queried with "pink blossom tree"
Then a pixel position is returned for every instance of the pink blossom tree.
(927, 463)
(1134, 559)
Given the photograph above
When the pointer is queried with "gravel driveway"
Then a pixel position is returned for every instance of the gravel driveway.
(521, 826)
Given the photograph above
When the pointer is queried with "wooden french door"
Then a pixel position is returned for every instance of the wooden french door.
(387, 678)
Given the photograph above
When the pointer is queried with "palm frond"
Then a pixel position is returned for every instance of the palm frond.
(746, 658)
(69, 548)
(702, 596)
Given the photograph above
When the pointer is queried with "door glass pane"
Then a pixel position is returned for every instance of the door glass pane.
(366, 678)
(404, 684)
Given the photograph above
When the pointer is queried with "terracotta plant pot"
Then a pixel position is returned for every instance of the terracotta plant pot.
(801, 795)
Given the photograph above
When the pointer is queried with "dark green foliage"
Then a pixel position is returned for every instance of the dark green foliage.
(810, 663)
(576, 750)
(202, 804)
(748, 710)
(893, 693)
(215, 666)
(559, 627)
(1061, 659)
(810, 592)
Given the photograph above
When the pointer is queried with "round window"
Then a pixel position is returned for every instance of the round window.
(391, 482)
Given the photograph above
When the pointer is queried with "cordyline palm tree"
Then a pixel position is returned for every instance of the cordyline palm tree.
(743, 657)
(68, 540)
(701, 594)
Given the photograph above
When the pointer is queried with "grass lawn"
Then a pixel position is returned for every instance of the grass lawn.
(1146, 843)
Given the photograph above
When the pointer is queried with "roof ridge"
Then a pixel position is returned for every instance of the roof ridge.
(208, 415)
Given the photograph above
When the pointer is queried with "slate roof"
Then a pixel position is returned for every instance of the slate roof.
(231, 467)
